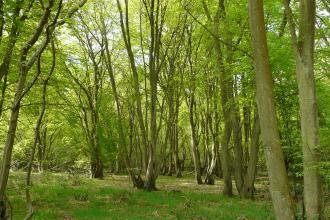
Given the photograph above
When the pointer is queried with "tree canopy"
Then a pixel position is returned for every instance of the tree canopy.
(229, 90)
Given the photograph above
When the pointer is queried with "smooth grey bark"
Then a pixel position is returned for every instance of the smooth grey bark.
(303, 48)
(279, 185)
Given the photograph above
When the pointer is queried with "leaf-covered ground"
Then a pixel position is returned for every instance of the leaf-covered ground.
(60, 196)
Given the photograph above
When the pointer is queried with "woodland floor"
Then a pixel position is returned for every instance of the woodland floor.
(62, 196)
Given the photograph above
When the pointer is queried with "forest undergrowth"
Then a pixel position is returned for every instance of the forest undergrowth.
(64, 196)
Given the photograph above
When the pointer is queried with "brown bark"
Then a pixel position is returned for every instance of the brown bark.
(279, 185)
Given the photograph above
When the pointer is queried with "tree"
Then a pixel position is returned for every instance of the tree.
(192, 106)
(279, 185)
(37, 135)
(156, 11)
(125, 29)
(303, 47)
(25, 65)
(46, 25)
(224, 92)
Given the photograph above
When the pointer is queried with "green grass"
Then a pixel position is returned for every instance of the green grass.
(61, 197)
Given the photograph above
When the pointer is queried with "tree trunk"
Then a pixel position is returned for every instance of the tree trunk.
(96, 162)
(303, 46)
(194, 141)
(151, 174)
(238, 150)
(96, 157)
(279, 185)
(209, 179)
(310, 142)
(224, 94)
(250, 175)
(124, 24)
(3, 94)
(13, 36)
(25, 66)
(178, 169)
(135, 177)
(37, 138)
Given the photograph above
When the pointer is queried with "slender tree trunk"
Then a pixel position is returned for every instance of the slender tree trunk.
(6, 160)
(2, 20)
(209, 179)
(171, 167)
(310, 142)
(37, 138)
(224, 94)
(41, 151)
(96, 160)
(191, 103)
(250, 175)
(194, 141)
(303, 46)
(151, 174)
(178, 168)
(3, 94)
(25, 66)
(279, 185)
(13, 36)
(136, 178)
(226, 173)
(124, 24)
(238, 150)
